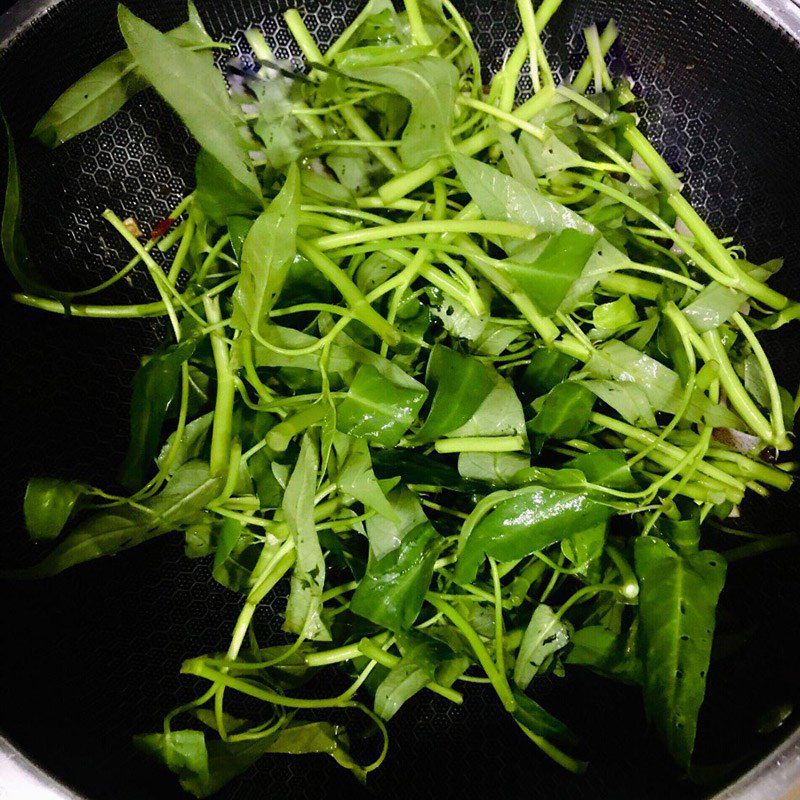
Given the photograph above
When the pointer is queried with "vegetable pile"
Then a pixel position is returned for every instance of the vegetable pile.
(470, 373)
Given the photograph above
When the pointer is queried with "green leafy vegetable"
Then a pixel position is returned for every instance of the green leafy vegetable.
(103, 91)
(154, 390)
(379, 409)
(392, 591)
(545, 635)
(526, 522)
(389, 223)
(48, 504)
(267, 254)
(195, 90)
(429, 84)
(564, 412)
(460, 385)
(304, 609)
(677, 608)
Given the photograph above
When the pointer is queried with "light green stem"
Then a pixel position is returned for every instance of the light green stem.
(226, 392)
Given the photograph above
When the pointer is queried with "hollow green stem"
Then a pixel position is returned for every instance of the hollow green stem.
(499, 681)
(221, 432)
(352, 295)
(481, 444)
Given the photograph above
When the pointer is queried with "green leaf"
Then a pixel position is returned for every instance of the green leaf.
(238, 228)
(102, 91)
(191, 444)
(195, 90)
(584, 547)
(715, 305)
(460, 385)
(379, 409)
(545, 635)
(610, 317)
(203, 768)
(304, 609)
(530, 714)
(497, 469)
(549, 278)
(627, 399)
(500, 196)
(221, 196)
(267, 255)
(385, 532)
(14, 247)
(183, 752)
(429, 84)
(526, 522)
(549, 154)
(354, 169)
(356, 59)
(546, 370)
(356, 477)
(500, 414)
(663, 388)
(277, 125)
(341, 360)
(417, 668)
(607, 653)
(565, 412)
(392, 591)
(48, 504)
(235, 556)
(606, 468)
(677, 609)
(155, 387)
(415, 468)
(109, 532)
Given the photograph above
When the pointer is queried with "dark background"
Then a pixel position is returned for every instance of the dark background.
(91, 657)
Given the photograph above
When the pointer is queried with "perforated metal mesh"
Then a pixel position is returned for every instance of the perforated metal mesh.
(92, 657)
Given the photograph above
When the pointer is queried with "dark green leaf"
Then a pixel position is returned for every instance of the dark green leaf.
(607, 653)
(417, 668)
(189, 491)
(527, 522)
(393, 589)
(154, 390)
(530, 714)
(415, 468)
(549, 278)
(677, 609)
(547, 369)
(14, 247)
(377, 408)
(48, 505)
(564, 413)
(605, 468)
(204, 768)
(459, 384)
